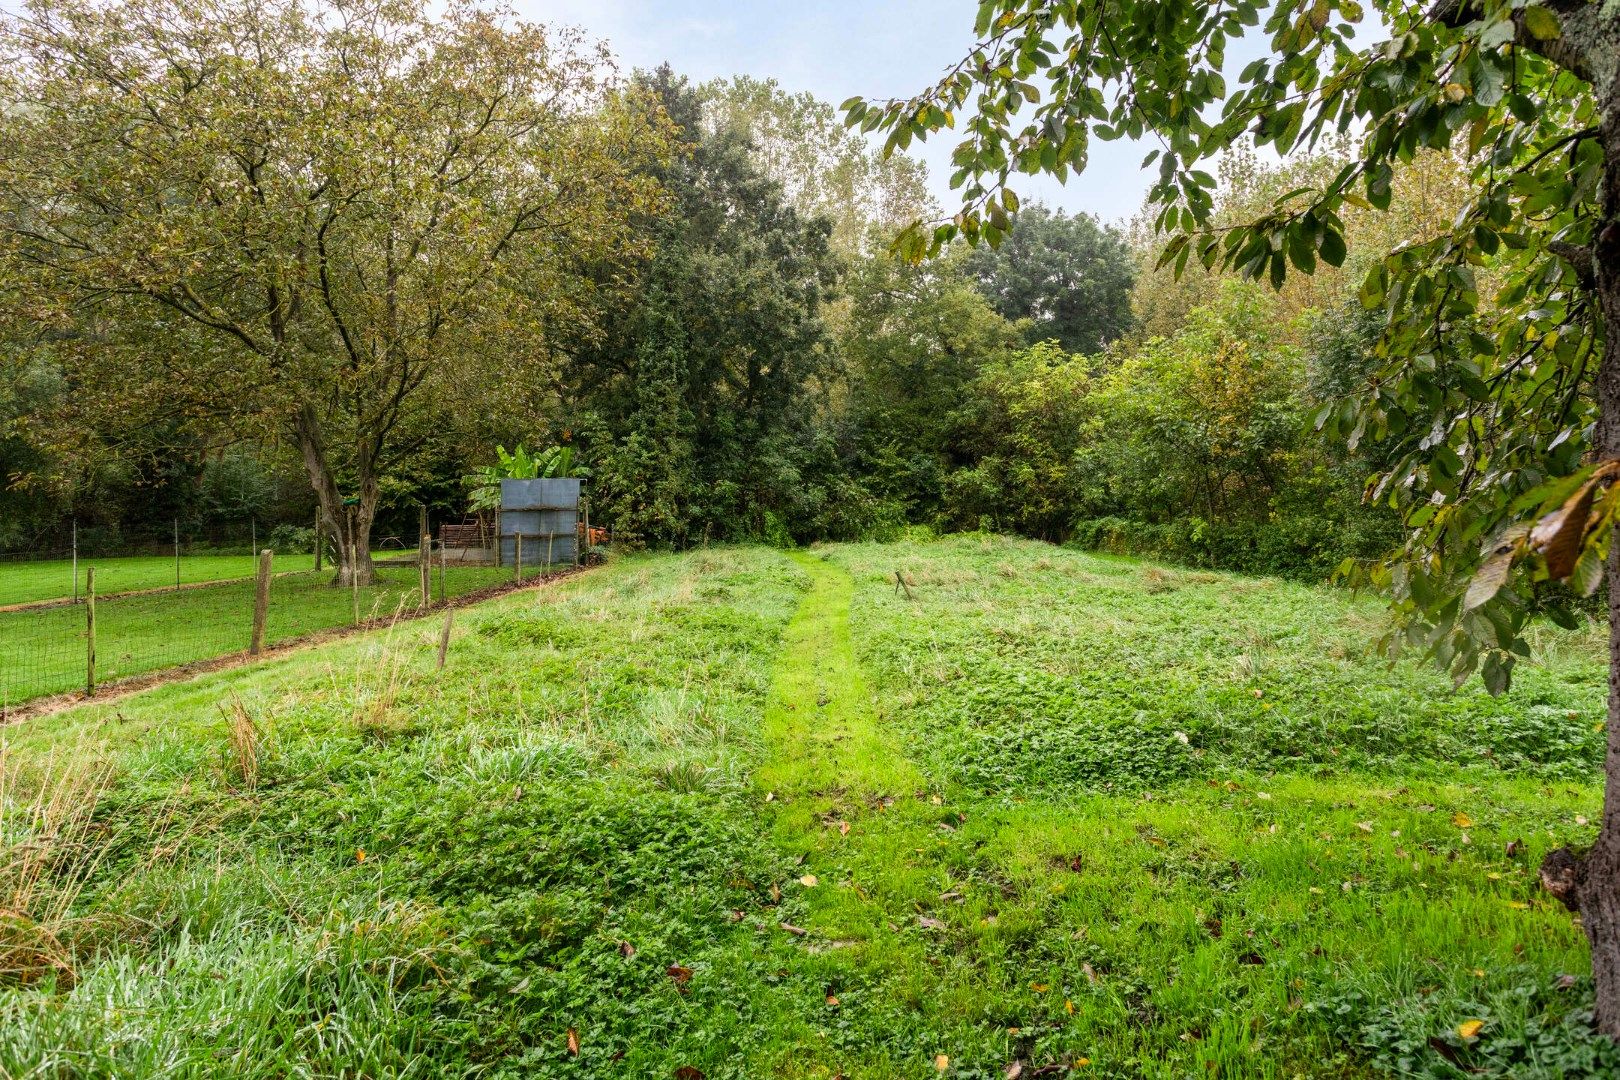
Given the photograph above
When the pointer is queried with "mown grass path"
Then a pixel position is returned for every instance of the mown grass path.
(822, 733)
(950, 927)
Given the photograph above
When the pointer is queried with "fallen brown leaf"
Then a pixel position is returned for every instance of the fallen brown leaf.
(573, 1042)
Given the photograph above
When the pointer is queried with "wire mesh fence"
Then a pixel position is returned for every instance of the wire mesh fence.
(55, 644)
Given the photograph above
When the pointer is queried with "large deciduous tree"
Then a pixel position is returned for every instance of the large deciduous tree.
(318, 218)
(1498, 398)
(823, 169)
(1069, 275)
(702, 375)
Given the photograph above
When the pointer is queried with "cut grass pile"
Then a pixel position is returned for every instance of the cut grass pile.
(42, 650)
(52, 579)
(741, 814)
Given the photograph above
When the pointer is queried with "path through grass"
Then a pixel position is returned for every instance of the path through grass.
(1245, 925)
(739, 814)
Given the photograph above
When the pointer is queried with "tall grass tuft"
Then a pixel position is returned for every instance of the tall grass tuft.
(376, 686)
(246, 742)
(49, 847)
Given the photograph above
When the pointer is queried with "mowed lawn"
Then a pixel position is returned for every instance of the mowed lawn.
(52, 579)
(43, 650)
(742, 813)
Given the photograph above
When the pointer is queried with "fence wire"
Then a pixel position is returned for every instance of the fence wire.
(44, 647)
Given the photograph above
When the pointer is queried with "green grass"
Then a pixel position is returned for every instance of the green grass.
(1059, 810)
(52, 579)
(42, 650)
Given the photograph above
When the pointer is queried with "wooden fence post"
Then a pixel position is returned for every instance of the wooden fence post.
(261, 602)
(444, 636)
(90, 631)
(444, 557)
(517, 556)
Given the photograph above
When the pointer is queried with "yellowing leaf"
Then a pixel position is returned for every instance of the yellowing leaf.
(941, 1062)
(1541, 23)
(1039, 988)
(359, 854)
(1461, 820)
(808, 881)
(1468, 1029)
(1068, 1006)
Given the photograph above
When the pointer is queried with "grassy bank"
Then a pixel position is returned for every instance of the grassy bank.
(741, 814)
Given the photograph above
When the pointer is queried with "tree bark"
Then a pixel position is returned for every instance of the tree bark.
(349, 525)
(1589, 882)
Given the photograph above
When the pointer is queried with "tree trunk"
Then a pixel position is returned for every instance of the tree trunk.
(348, 524)
(1590, 882)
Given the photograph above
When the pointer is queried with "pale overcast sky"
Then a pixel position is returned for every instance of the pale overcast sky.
(835, 49)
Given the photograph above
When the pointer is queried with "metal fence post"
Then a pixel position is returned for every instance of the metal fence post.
(354, 578)
(444, 557)
(320, 541)
(90, 631)
(424, 568)
(177, 553)
(75, 560)
(261, 602)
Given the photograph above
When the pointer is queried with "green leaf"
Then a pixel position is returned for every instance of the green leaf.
(1588, 572)
(1542, 24)
(1332, 249)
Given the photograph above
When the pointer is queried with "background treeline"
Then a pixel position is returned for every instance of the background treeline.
(764, 369)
